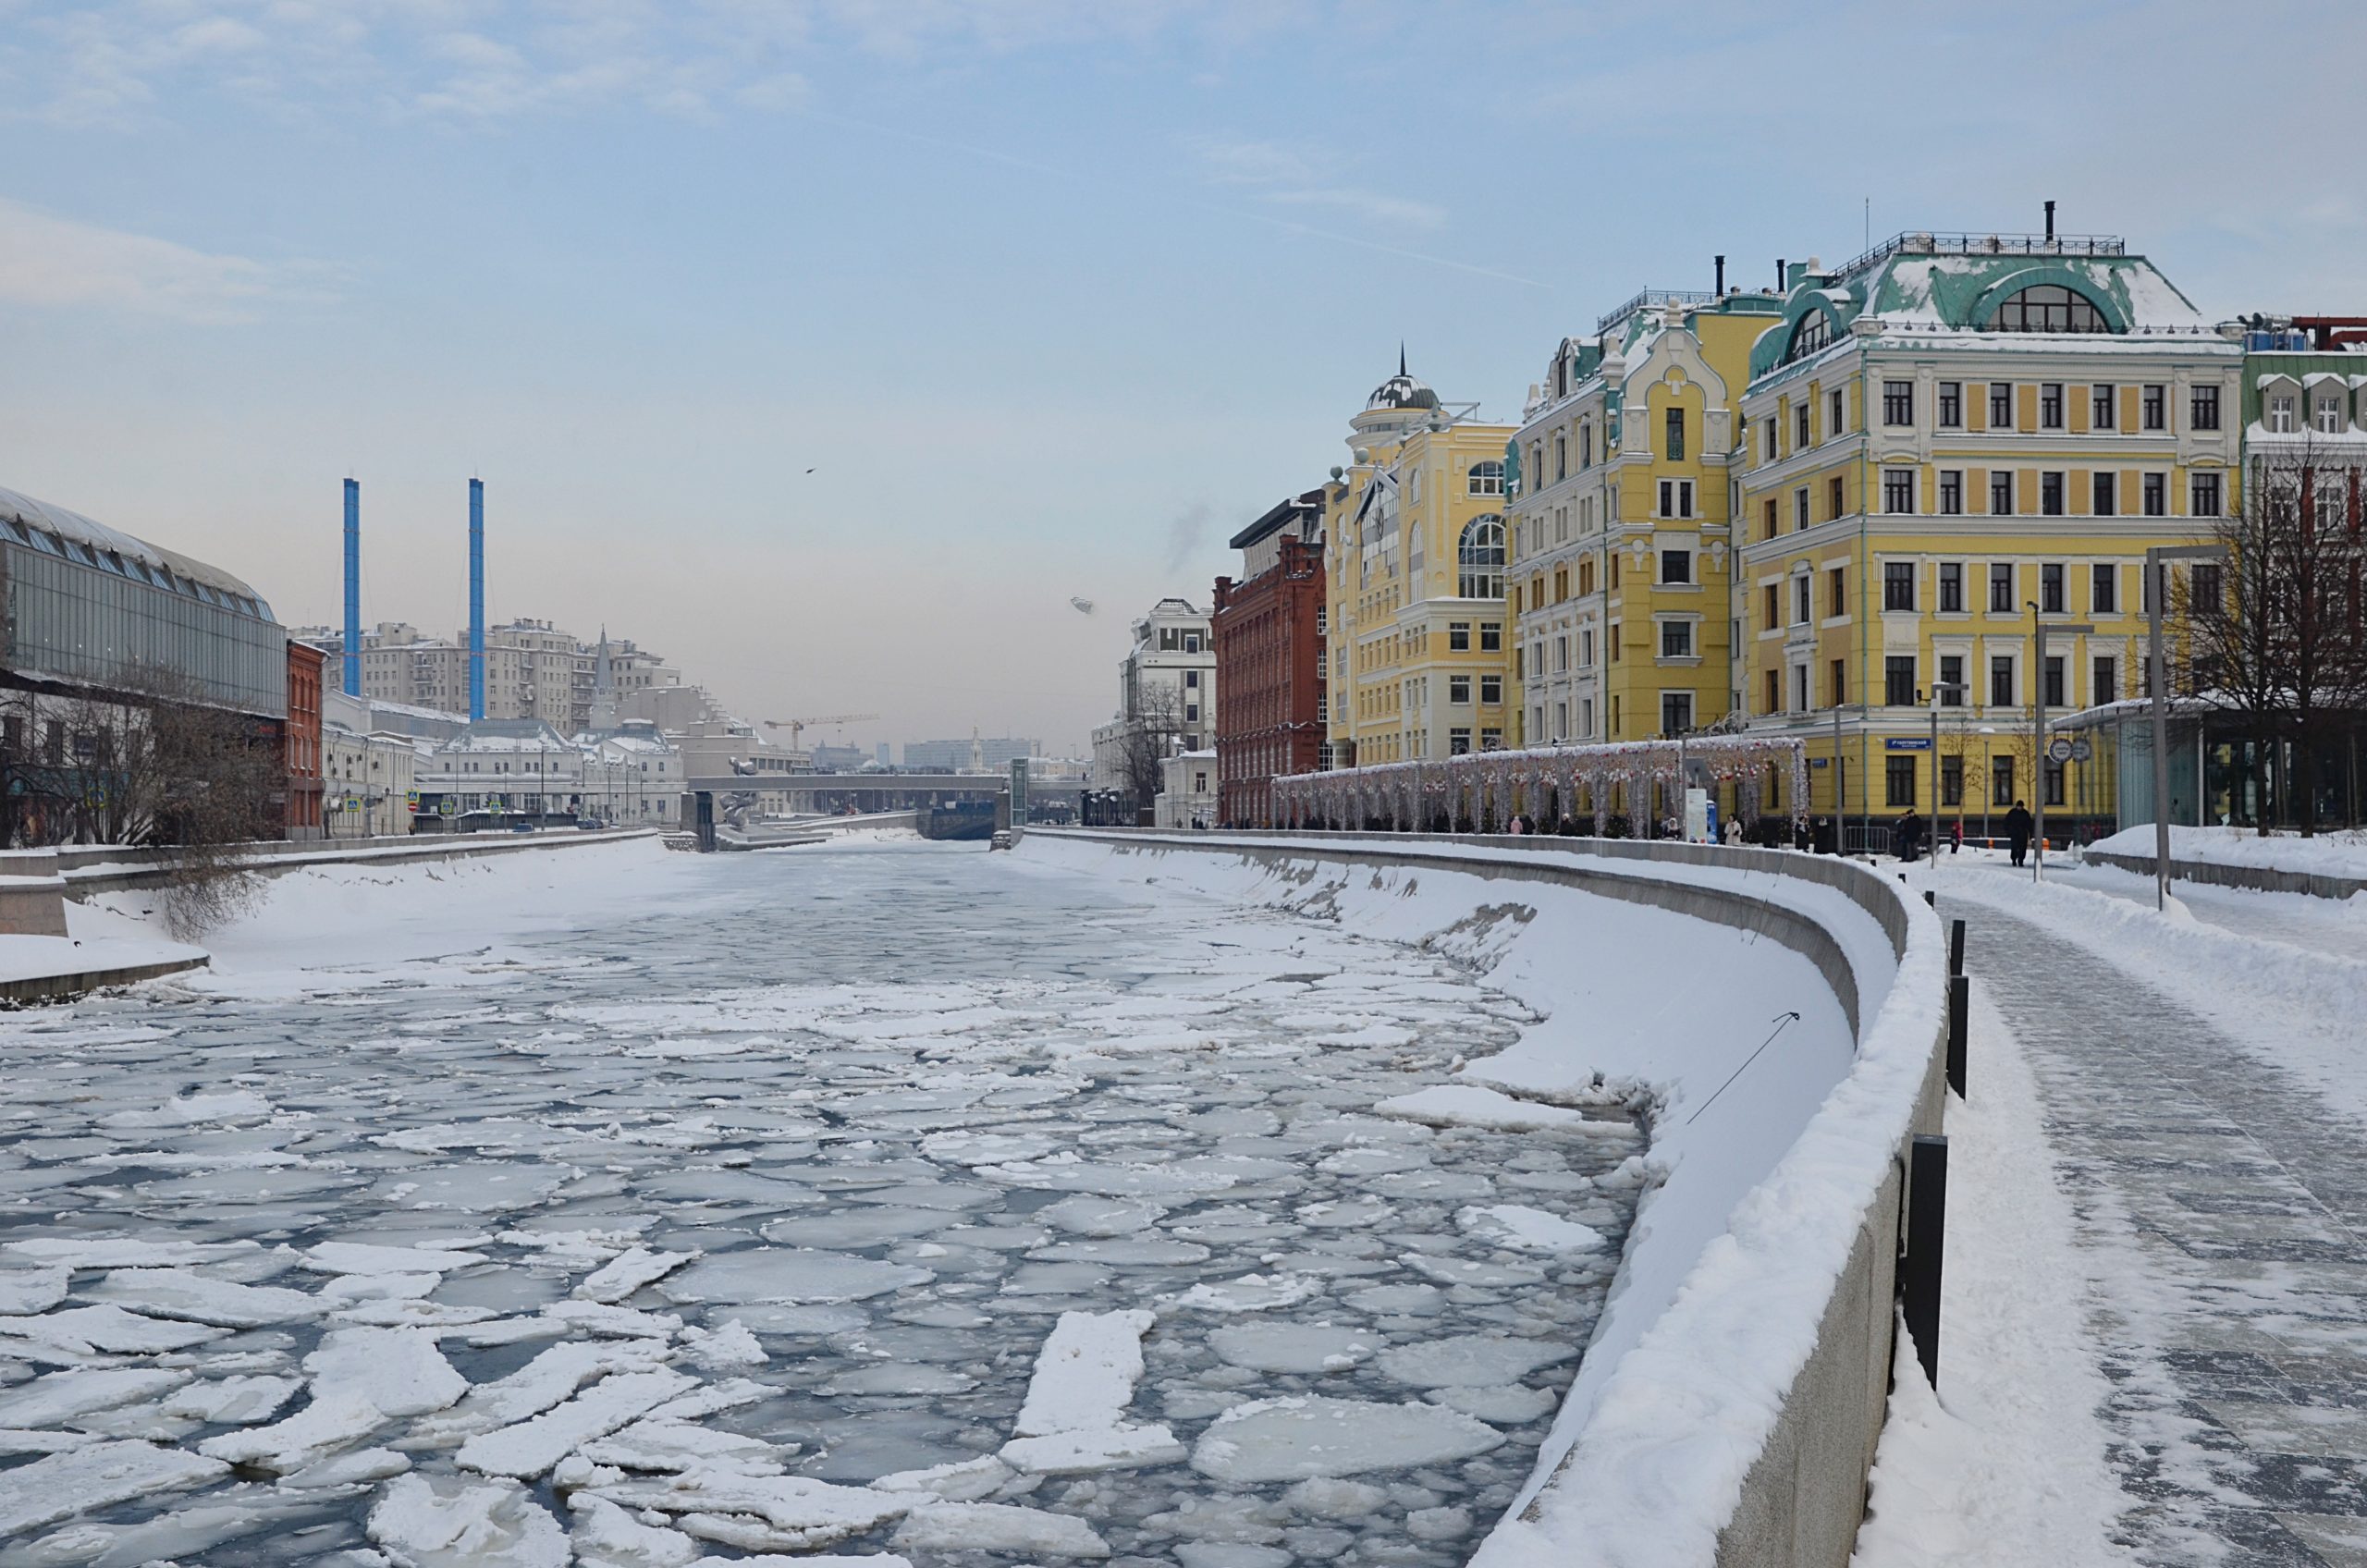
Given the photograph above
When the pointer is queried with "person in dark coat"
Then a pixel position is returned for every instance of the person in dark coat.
(2018, 831)
(1906, 839)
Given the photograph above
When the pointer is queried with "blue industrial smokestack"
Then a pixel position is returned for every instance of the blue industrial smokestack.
(354, 587)
(476, 598)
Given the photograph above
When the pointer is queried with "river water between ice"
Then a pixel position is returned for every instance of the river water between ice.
(898, 1199)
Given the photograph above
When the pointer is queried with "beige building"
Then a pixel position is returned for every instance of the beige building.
(1414, 583)
(366, 782)
(533, 669)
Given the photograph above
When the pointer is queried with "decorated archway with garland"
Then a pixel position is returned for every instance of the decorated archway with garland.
(1548, 784)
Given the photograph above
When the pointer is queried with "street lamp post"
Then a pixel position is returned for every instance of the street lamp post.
(2157, 584)
(1937, 688)
(2039, 631)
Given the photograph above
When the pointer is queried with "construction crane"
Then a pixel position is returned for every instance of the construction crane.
(797, 726)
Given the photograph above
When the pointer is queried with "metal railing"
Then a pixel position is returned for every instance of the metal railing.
(1926, 242)
(1651, 296)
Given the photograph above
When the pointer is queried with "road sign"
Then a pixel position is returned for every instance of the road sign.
(446, 808)
(1907, 743)
(2059, 749)
(2080, 749)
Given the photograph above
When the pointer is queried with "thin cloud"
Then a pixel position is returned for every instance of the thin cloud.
(1290, 176)
(53, 262)
(111, 64)
(1365, 204)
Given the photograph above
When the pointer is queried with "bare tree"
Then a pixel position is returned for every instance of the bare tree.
(1154, 731)
(153, 764)
(2273, 635)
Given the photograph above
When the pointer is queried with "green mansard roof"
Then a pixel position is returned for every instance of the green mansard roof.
(1944, 284)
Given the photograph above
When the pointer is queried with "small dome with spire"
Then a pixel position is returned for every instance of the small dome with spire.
(1401, 391)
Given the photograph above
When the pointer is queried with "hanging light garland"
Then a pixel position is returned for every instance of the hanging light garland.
(1414, 793)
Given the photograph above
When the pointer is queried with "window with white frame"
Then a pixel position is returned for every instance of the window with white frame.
(1479, 555)
(1898, 490)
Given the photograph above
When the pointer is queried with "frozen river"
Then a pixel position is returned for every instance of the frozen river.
(892, 1199)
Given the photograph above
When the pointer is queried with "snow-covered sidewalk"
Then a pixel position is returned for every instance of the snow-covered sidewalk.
(2198, 1094)
(2334, 927)
(2005, 1465)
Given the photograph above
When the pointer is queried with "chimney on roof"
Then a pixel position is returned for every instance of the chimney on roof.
(2049, 223)
(1781, 273)
(1721, 290)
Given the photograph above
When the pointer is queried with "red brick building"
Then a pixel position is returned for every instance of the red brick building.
(1269, 632)
(302, 740)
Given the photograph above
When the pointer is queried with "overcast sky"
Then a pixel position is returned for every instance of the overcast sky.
(831, 347)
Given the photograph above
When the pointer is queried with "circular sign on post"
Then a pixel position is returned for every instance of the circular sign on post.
(2059, 749)
(2080, 749)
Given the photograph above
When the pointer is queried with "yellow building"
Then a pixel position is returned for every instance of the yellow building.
(1946, 442)
(1621, 545)
(1414, 585)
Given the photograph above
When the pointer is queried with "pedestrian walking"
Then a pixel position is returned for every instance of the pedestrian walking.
(1955, 837)
(2018, 831)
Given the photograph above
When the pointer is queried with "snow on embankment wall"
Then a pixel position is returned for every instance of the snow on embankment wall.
(1733, 1388)
(2332, 865)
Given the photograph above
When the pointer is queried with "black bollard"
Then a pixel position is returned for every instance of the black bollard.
(1931, 897)
(1926, 1225)
(1959, 1015)
(1955, 947)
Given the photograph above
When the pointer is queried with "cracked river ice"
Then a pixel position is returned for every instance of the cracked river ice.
(901, 1202)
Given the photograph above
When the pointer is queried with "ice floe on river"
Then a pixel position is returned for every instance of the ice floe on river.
(893, 1206)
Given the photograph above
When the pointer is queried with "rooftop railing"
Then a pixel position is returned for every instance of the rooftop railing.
(1925, 243)
(1651, 296)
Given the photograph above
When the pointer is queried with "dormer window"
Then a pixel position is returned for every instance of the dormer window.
(2329, 416)
(2280, 415)
(1814, 332)
(2049, 307)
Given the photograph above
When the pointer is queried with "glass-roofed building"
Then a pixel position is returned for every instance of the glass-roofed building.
(91, 610)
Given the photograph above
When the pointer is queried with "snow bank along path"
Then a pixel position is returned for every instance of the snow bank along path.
(2332, 865)
(1733, 1390)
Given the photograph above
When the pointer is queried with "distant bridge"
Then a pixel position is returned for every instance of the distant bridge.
(878, 792)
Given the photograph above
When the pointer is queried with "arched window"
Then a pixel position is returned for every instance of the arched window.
(1487, 478)
(1814, 332)
(1481, 555)
(2049, 307)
